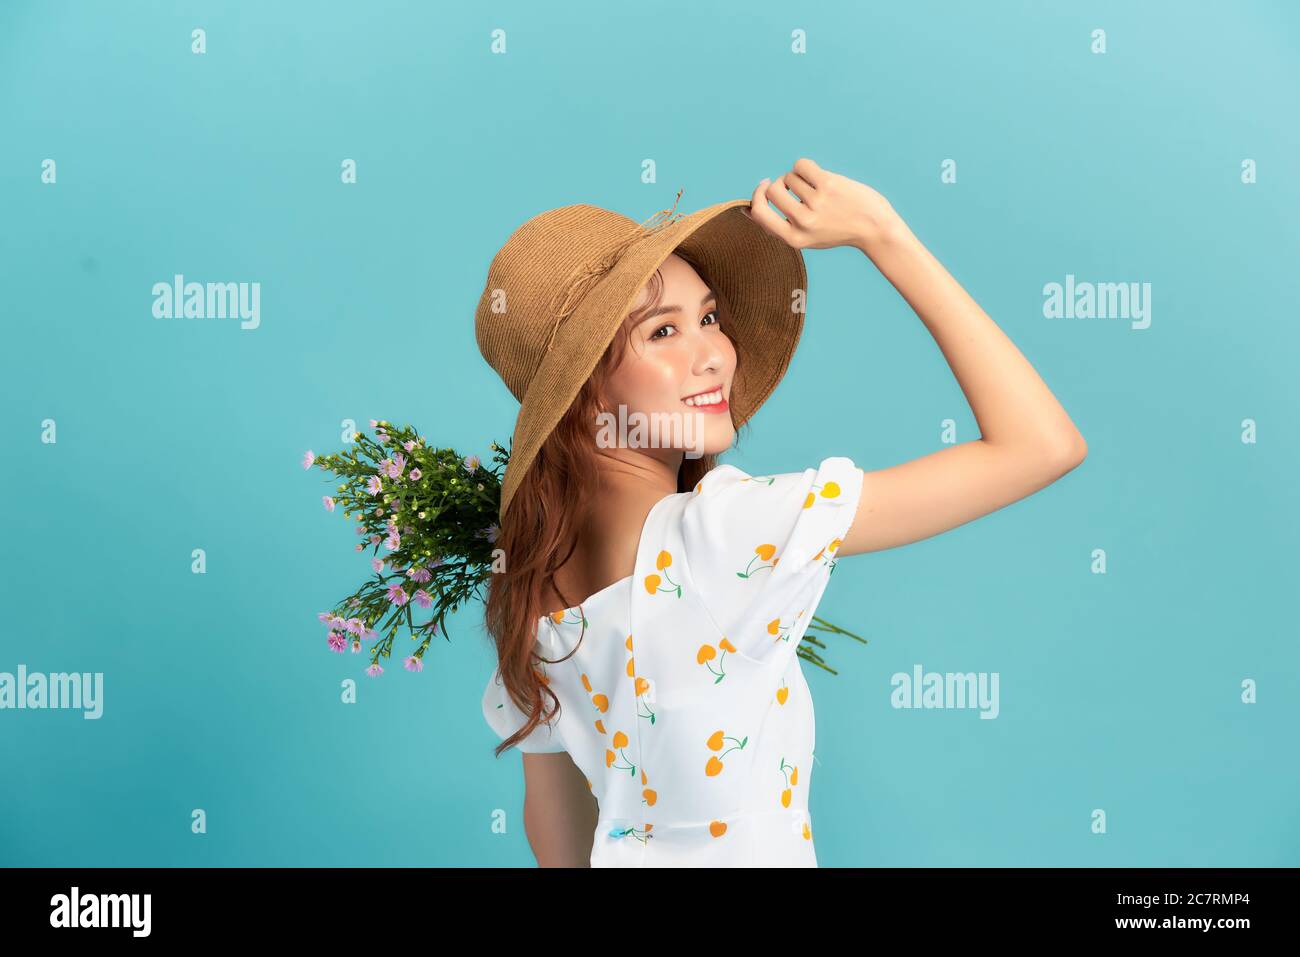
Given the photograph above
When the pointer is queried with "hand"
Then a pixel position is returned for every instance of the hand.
(825, 210)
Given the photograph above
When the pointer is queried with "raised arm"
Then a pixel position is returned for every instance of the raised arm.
(1027, 441)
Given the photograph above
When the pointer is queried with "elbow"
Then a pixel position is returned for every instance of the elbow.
(1068, 453)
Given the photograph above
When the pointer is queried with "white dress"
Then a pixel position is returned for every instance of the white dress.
(685, 705)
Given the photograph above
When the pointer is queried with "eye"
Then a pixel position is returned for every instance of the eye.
(717, 319)
(655, 334)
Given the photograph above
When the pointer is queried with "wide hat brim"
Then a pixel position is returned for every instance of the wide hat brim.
(757, 276)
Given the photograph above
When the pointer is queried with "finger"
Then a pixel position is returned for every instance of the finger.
(810, 171)
(762, 214)
(784, 201)
(801, 188)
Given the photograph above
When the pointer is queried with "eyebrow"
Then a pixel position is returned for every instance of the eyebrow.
(663, 309)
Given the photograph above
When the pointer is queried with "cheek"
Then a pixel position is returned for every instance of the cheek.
(650, 382)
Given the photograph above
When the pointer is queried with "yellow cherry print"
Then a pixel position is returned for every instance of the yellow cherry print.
(762, 553)
(652, 582)
(713, 766)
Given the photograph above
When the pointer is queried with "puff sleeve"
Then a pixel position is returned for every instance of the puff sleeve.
(504, 718)
(761, 548)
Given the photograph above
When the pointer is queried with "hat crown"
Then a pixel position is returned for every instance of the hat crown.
(532, 279)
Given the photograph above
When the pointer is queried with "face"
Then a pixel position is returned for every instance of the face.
(679, 361)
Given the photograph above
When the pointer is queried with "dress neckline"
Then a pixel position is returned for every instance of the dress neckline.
(613, 586)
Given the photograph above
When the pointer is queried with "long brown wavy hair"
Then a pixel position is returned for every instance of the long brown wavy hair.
(540, 531)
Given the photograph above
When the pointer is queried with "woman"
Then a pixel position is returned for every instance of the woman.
(647, 619)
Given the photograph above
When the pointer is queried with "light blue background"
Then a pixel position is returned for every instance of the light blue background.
(1118, 692)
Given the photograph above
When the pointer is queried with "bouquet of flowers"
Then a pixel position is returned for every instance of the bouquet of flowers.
(434, 511)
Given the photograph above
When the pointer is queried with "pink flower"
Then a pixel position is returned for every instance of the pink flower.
(336, 621)
(377, 563)
(356, 645)
(361, 530)
(375, 669)
(415, 475)
(374, 423)
(374, 539)
(308, 459)
(355, 625)
(435, 563)
(370, 634)
(356, 602)
(396, 595)
(409, 444)
(393, 542)
(360, 547)
(395, 468)
(414, 664)
(329, 503)
(423, 598)
(374, 486)
(471, 462)
(336, 641)
(420, 575)
(325, 617)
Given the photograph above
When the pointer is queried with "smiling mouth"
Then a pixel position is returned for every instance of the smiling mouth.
(707, 401)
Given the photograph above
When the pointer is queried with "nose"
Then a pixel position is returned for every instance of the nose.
(710, 352)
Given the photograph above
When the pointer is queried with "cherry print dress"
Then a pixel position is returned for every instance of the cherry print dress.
(685, 705)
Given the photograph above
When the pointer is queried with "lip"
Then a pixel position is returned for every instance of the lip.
(714, 409)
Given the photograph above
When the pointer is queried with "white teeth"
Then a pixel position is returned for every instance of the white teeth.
(709, 398)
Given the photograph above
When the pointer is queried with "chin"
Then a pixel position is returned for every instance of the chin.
(718, 439)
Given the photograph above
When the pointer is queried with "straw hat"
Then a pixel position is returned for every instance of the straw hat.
(565, 281)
